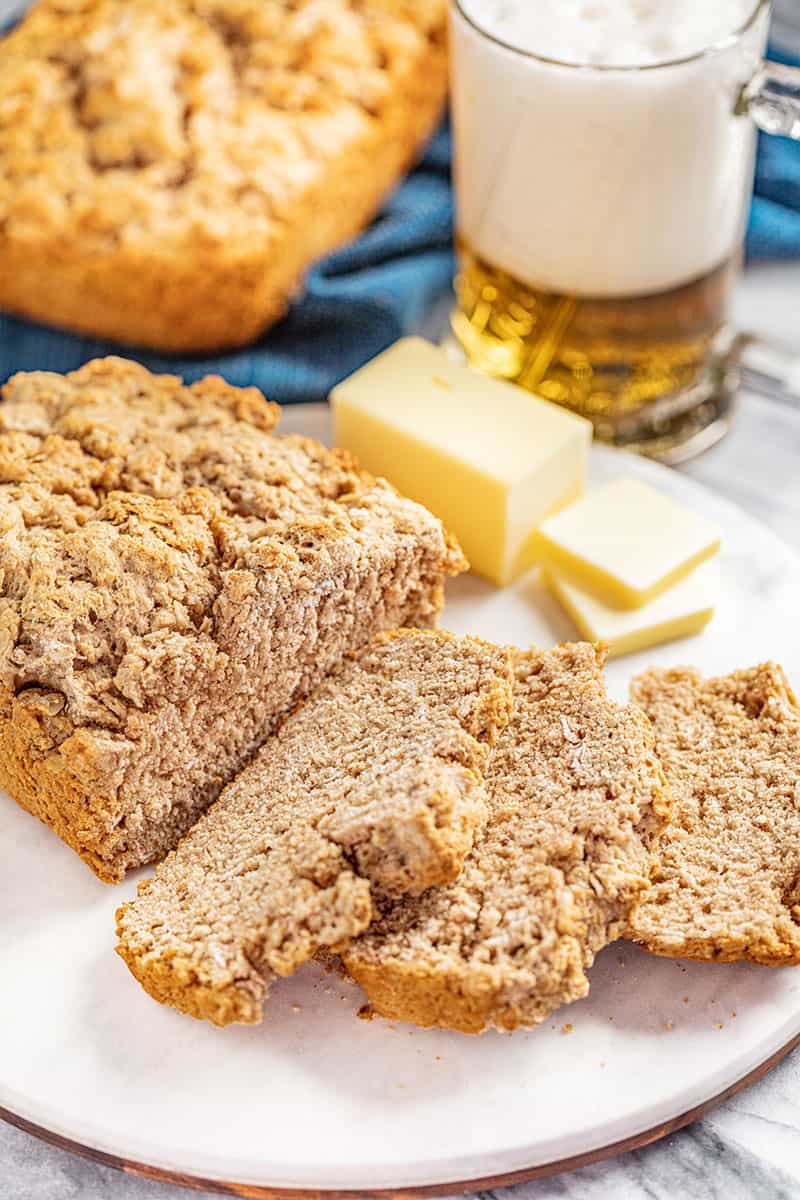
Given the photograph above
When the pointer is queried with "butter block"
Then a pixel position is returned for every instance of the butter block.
(679, 612)
(488, 458)
(625, 543)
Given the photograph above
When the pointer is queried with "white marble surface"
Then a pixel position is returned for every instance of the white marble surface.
(750, 1147)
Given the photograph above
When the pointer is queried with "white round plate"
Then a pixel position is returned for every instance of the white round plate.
(315, 1099)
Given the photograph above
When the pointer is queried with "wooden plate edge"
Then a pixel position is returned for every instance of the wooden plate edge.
(464, 1186)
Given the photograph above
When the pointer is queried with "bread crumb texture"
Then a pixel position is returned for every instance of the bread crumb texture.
(173, 578)
(576, 801)
(728, 880)
(373, 786)
(170, 168)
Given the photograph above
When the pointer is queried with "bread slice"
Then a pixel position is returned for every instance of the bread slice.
(728, 882)
(373, 785)
(169, 169)
(576, 800)
(173, 579)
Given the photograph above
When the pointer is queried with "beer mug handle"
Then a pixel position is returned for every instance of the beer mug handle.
(772, 100)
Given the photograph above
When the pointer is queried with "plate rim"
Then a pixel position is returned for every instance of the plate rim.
(522, 1175)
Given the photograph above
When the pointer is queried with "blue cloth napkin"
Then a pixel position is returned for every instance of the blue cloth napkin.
(774, 228)
(379, 287)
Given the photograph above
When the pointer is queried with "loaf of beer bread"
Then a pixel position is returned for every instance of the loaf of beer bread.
(174, 578)
(170, 168)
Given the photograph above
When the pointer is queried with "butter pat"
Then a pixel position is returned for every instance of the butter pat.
(488, 458)
(625, 543)
(679, 612)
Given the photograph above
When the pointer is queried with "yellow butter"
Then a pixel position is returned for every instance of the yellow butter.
(679, 612)
(488, 458)
(625, 543)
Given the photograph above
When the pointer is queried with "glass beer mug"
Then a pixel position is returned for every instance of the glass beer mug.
(604, 155)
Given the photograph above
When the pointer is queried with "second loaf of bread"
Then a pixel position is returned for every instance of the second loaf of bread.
(168, 171)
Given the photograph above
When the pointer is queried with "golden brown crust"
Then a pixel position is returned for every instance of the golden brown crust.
(727, 885)
(372, 787)
(169, 171)
(577, 799)
(173, 578)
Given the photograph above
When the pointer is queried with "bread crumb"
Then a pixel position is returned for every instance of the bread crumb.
(296, 1008)
(366, 1013)
(442, 383)
(719, 1025)
(567, 1028)
(668, 1026)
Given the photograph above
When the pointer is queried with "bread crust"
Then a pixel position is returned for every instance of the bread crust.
(173, 579)
(180, 210)
(727, 884)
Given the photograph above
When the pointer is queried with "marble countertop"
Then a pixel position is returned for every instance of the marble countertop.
(749, 1148)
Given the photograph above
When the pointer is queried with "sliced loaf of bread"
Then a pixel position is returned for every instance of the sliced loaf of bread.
(576, 800)
(174, 578)
(727, 885)
(373, 785)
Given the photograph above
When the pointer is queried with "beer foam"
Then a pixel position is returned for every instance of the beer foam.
(596, 182)
(611, 33)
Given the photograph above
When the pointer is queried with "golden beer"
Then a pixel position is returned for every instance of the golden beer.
(640, 368)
